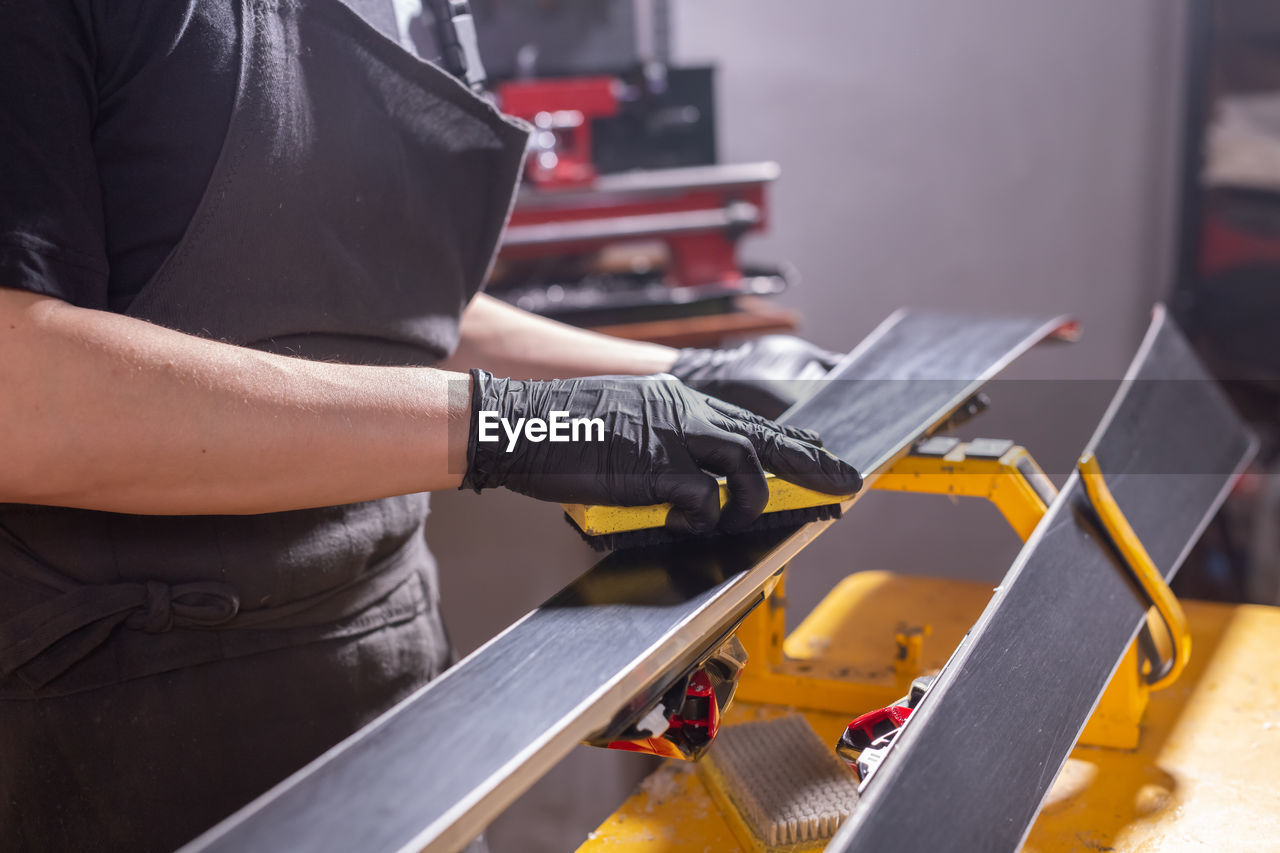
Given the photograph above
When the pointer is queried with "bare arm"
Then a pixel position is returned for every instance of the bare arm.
(107, 412)
(509, 342)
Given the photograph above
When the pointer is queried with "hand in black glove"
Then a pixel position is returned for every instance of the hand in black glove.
(658, 440)
(767, 375)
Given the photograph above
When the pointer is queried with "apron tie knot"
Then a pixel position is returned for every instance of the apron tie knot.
(204, 604)
(41, 643)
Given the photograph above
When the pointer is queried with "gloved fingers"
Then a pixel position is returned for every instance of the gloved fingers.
(738, 413)
(790, 355)
(806, 465)
(734, 457)
(694, 497)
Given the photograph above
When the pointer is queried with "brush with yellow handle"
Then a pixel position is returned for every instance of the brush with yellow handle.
(611, 528)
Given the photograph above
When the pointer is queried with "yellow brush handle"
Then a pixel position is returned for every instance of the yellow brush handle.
(601, 520)
(1144, 568)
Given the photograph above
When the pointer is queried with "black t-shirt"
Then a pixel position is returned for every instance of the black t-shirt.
(112, 116)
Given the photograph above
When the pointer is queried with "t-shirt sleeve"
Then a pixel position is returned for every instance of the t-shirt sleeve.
(51, 226)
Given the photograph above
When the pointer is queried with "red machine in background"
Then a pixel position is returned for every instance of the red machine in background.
(640, 246)
(625, 220)
(635, 246)
(685, 221)
(561, 111)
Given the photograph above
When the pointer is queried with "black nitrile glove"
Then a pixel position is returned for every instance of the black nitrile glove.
(656, 442)
(767, 375)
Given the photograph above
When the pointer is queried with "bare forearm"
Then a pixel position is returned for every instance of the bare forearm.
(509, 342)
(106, 412)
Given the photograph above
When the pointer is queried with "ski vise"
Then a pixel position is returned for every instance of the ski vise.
(1006, 475)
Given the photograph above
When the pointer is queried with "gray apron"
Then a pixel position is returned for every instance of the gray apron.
(158, 672)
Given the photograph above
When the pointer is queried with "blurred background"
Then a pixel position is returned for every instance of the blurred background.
(708, 170)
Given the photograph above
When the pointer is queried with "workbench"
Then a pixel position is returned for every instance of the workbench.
(1205, 775)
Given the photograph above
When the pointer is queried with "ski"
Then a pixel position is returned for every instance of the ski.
(973, 764)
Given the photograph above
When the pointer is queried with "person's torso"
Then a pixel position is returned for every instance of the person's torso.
(277, 174)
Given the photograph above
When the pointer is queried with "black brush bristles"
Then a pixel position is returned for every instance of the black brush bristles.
(662, 536)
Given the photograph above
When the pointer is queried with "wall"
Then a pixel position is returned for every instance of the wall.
(992, 155)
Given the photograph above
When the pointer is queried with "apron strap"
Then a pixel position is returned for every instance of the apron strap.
(44, 641)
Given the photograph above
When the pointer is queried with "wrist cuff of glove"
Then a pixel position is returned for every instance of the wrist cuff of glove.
(693, 365)
(689, 361)
(480, 459)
